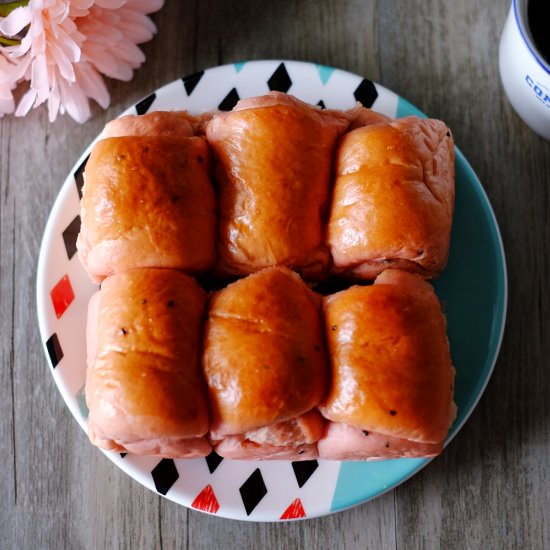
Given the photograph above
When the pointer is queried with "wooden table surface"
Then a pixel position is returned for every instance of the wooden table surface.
(491, 486)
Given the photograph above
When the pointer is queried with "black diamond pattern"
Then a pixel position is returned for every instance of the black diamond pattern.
(191, 81)
(229, 101)
(321, 104)
(213, 460)
(303, 470)
(70, 235)
(252, 491)
(122, 455)
(280, 80)
(79, 176)
(165, 474)
(366, 93)
(143, 106)
(54, 349)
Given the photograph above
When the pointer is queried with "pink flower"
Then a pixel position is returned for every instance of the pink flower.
(67, 48)
(10, 73)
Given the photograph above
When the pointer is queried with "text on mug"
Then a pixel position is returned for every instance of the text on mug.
(539, 92)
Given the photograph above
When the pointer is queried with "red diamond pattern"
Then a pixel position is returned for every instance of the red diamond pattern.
(206, 501)
(62, 295)
(295, 510)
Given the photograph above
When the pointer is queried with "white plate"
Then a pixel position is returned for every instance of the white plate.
(281, 490)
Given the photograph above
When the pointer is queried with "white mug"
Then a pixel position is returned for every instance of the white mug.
(524, 72)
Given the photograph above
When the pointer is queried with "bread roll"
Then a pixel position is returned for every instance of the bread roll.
(273, 159)
(147, 202)
(144, 387)
(391, 390)
(265, 366)
(393, 198)
(156, 123)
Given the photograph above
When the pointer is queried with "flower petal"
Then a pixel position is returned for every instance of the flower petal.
(63, 63)
(54, 101)
(92, 84)
(105, 62)
(16, 21)
(39, 78)
(110, 4)
(70, 44)
(11, 71)
(74, 101)
(26, 103)
(145, 6)
(101, 32)
(7, 104)
(140, 19)
(80, 8)
(129, 52)
(135, 32)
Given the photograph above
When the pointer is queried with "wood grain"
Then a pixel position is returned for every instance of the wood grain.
(491, 487)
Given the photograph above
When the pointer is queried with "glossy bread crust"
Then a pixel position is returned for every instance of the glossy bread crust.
(393, 198)
(156, 123)
(144, 387)
(147, 202)
(264, 357)
(273, 158)
(391, 369)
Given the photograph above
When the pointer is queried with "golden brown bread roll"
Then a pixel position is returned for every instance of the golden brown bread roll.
(156, 123)
(265, 366)
(144, 387)
(393, 198)
(147, 202)
(359, 116)
(391, 389)
(273, 161)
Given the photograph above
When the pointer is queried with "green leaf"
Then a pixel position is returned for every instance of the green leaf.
(8, 41)
(7, 7)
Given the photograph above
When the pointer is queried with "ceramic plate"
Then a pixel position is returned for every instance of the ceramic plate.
(472, 289)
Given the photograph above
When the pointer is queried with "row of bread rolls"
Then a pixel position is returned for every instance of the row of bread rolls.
(275, 181)
(271, 374)
(267, 369)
